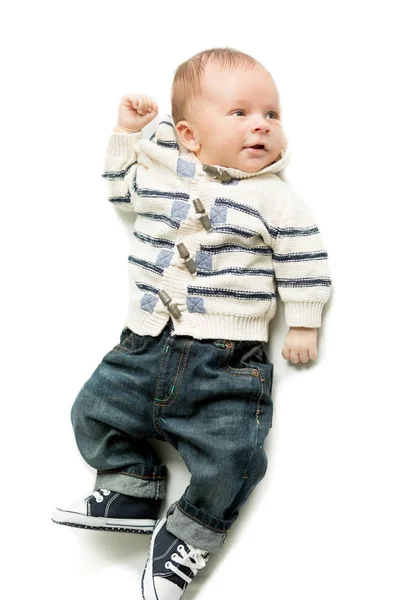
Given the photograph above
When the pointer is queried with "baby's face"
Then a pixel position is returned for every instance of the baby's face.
(237, 109)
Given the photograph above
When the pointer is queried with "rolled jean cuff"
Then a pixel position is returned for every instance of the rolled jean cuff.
(196, 527)
(141, 482)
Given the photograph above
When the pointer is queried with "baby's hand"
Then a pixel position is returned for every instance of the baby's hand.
(300, 344)
(135, 111)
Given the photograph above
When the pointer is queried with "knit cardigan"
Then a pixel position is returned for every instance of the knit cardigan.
(212, 247)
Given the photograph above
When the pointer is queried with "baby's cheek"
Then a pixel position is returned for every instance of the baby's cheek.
(281, 139)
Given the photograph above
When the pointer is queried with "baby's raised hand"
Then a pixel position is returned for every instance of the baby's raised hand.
(135, 111)
(300, 344)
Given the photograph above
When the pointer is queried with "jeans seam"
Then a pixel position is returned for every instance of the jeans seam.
(245, 475)
(258, 404)
(157, 404)
(155, 477)
(186, 348)
(161, 368)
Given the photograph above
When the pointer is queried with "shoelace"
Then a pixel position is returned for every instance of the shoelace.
(198, 561)
(99, 497)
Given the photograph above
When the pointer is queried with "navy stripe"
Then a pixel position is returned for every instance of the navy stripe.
(126, 198)
(172, 145)
(145, 264)
(237, 206)
(230, 293)
(145, 287)
(160, 217)
(169, 143)
(234, 229)
(158, 242)
(304, 282)
(298, 256)
(133, 182)
(293, 231)
(235, 248)
(273, 231)
(246, 209)
(113, 175)
(235, 271)
(151, 193)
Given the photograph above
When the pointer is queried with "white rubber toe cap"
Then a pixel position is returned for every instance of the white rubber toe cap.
(167, 589)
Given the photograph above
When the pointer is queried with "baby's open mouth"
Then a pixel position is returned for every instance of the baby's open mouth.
(256, 147)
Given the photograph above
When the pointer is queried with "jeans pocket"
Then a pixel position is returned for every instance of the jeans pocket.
(127, 341)
(239, 355)
(252, 352)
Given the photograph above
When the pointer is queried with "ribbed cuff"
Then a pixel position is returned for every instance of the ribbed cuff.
(303, 314)
(123, 144)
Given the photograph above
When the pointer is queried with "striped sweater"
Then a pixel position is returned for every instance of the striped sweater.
(212, 246)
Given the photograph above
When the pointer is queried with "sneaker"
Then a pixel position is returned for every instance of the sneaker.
(171, 565)
(106, 510)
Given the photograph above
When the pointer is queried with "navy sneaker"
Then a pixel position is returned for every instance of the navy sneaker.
(106, 510)
(171, 565)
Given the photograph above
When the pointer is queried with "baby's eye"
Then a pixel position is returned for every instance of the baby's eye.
(273, 114)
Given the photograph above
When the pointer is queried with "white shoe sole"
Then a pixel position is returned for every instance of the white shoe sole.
(73, 519)
(147, 577)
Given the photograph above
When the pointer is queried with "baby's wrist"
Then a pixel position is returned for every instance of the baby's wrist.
(120, 129)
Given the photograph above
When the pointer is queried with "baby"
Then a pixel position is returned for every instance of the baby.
(218, 233)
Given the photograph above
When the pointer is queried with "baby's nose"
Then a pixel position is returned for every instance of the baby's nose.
(261, 125)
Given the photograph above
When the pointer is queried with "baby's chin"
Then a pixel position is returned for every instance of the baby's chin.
(252, 166)
(246, 162)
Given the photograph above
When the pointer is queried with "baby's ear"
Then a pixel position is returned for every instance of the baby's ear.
(187, 136)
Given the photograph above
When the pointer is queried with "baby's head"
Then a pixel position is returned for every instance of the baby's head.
(224, 102)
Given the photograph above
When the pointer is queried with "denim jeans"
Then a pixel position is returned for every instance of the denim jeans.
(209, 398)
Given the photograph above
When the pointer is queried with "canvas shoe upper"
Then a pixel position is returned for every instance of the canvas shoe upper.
(110, 511)
(171, 565)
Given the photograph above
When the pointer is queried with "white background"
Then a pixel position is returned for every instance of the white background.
(324, 522)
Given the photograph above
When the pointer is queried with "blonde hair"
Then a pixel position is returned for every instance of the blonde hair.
(188, 76)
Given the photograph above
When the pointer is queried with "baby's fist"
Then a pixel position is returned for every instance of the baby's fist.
(135, 112)
(300, 344)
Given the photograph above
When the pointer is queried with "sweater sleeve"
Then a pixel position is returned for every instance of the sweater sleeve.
(300, 264)
(120, 165)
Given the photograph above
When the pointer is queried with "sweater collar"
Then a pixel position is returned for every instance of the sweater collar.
(165, 146)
